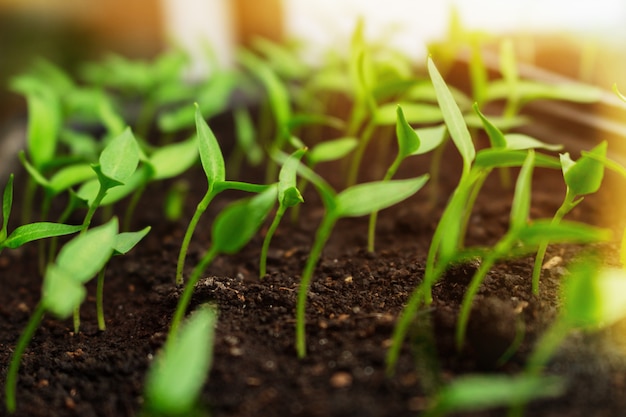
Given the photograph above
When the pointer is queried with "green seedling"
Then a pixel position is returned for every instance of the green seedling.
(447, 242)
(176, 377)
(358, 200)
(215, 171)
(410, 142)
(288, 196)
(473, 393)
(28, 232)
(116, 165)
(232, 230)
(63, 289)
(247, 146)
(521, 238)
(593, 298)
(582, 177)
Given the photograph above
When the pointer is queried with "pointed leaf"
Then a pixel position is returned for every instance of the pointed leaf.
(496, 137)
(535, 233)
(498, 158)
(172, 160)
(240, 221)
(61, 293)
(35, 231)
(416, 113)
(408, 140)
(119, 159)
(210, 151)
(453, 117)
(331, 150)
(430, 138)
(585, 175)
(518, 141)
(124, 242)
(288, 193)
(520, 208)
(363, 199)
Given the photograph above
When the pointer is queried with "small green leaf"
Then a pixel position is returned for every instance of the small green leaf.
(44, 122)
(172, 160)
(210, 151)
(499, 158)
(532, 90)
(124, 242)
(520, 208)
(408, 140)
(61, 293)
(7, 203)
(508, 65)
(239, 222)
(519, 141)
(288, 193)
(35, 231)
(416, 113)
(481, 392)
(119, 159)
(176, 377)
(82, 257)
(535, 233)
(430, 138)
(496, 137)
(585, 175)
(363, 199)
(331, 150)
(70, 176)
(246, 136)
(453, 117)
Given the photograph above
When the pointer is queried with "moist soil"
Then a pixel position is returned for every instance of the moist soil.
(354, 301)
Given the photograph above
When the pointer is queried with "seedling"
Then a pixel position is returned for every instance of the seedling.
(288, 196)
(582, 177)
(215, 171)
(178, 373)
(63, 289)
(233, 228)
(358, 200)
(28, 232)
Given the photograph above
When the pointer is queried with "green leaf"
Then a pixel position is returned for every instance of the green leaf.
(240, 221)
(331, 150)
(246, 136)
(520, 208)
(34, 172)
(416, 113)
(503, 123)
(44, 123)
(210, 151)
(119, 159)
(519, 141)
(288, 193)
(177, 375)
(535, 233)
(532, 90)
(481, 392)
(408, 140)
(82, 257)
(35, 231)
(508, 65)
(7, 203)
(585, 175)
(430, 138)
(496, 137)
(124, 242)
(172, 160)
(498, 158)
(61, 293)
(453, 117)
(363, 199)
(69, 176)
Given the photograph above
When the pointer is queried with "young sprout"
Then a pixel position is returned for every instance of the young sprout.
(63, 289)
(358, 200)
(582, 177)
(288, 196)
(410, 142)
(27, 232)
(175, 379)
(232, 230)
(215, 171)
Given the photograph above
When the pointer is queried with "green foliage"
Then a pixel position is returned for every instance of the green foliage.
(174, 380)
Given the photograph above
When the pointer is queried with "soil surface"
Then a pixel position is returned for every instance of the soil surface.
(354, 301)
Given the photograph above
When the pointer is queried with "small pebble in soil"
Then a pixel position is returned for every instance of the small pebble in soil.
(341, 380)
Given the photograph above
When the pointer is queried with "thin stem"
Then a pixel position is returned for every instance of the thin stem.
(371, 230)
(200, 209)
(76, 319)
(268, 237)
(99, 300)
(132, 205)
(321, 237)
(473, 195)
(566, 206)
(20, 347)
(102, 191)
(185, 298)
(434, 171)
(27, 204)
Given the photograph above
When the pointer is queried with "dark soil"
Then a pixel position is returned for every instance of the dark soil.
(354, 301)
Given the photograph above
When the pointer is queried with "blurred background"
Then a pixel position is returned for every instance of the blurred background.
(580, 39)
